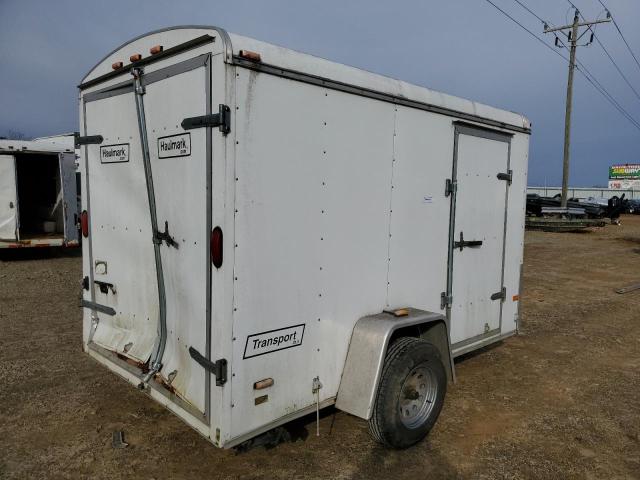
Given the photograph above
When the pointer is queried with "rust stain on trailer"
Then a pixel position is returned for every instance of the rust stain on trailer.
(144, 367)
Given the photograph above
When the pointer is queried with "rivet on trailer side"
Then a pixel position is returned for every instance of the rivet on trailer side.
(269, 233)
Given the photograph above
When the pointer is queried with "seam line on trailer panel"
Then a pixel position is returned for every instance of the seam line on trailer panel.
(367, 92)
(389, 238)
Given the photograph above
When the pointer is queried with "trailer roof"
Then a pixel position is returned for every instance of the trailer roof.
(52, 144)
(309, 66)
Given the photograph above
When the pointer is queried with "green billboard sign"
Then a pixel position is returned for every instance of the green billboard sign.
(629, 171)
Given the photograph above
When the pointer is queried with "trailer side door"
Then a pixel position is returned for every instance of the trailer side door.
(8, 198)
(478, 221)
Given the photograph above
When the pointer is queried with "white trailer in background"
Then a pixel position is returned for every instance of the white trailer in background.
(270, 233)
(38, 192)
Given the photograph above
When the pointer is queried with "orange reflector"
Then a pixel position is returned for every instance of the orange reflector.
(116, 65)
(136, 57)
(401, 312)
(156, 49)
(516, 298)
(267, 382)
(249, 55)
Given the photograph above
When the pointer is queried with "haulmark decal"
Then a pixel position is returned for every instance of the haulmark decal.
(174, 146)
(114, 153)
(273, 340)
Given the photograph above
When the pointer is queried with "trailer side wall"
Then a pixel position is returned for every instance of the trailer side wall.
(340, 213)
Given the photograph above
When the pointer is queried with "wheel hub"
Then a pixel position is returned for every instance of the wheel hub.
(417, 396)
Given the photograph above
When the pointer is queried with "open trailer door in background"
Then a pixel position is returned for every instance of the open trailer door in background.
(69, 197)
(8, 198)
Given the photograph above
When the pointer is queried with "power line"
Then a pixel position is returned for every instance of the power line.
(616, 65)
(527, 30)
(621, 35)
(582, 69)
(624, 77)
(530, 11)
(603, 91)
(590, 77)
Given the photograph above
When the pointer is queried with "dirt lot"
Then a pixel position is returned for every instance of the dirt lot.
(561, 400)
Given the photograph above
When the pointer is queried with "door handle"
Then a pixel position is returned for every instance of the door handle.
(466, 243)
(10, 204)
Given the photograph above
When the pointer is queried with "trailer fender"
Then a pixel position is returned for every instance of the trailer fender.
(368, 347)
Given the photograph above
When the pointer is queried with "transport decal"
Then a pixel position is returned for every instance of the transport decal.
(174, 146)
(114, 153)
(273, 340)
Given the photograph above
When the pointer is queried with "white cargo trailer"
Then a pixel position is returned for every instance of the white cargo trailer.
(270, 233)
(38, 192)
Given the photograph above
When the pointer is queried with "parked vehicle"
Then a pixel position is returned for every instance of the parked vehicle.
(591, 207)
(38, 196)
(269, 233)
(633, 206)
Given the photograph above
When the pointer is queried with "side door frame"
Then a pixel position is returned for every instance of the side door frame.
(451, 189)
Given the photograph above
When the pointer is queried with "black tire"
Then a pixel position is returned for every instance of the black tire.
(408, 360)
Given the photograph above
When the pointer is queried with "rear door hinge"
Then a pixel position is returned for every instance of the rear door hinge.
(501, 295)
(506, 176)
(88, 140)
(222, 120)
(450, 187)
(445, 300)
(218, 368)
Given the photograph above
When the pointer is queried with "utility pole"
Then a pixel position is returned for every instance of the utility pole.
(573, 37)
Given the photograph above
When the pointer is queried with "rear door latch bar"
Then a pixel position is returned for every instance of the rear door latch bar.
(222, 120)
(218, 368)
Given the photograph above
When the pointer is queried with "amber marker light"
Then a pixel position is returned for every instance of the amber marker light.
(249, 55)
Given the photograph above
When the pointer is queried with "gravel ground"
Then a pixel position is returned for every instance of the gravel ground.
(560, 400)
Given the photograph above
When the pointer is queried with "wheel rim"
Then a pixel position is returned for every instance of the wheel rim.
(417, 396)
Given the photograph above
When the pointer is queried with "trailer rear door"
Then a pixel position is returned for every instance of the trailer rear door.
(69, 196)
(8, 198)
(477, 243)
(122, 249)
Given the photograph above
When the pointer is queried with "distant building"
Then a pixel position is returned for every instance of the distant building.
(624, 177)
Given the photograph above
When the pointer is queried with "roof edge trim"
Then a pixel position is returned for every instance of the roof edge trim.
(224, 36)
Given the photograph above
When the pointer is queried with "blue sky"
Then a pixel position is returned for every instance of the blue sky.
(461, 47)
